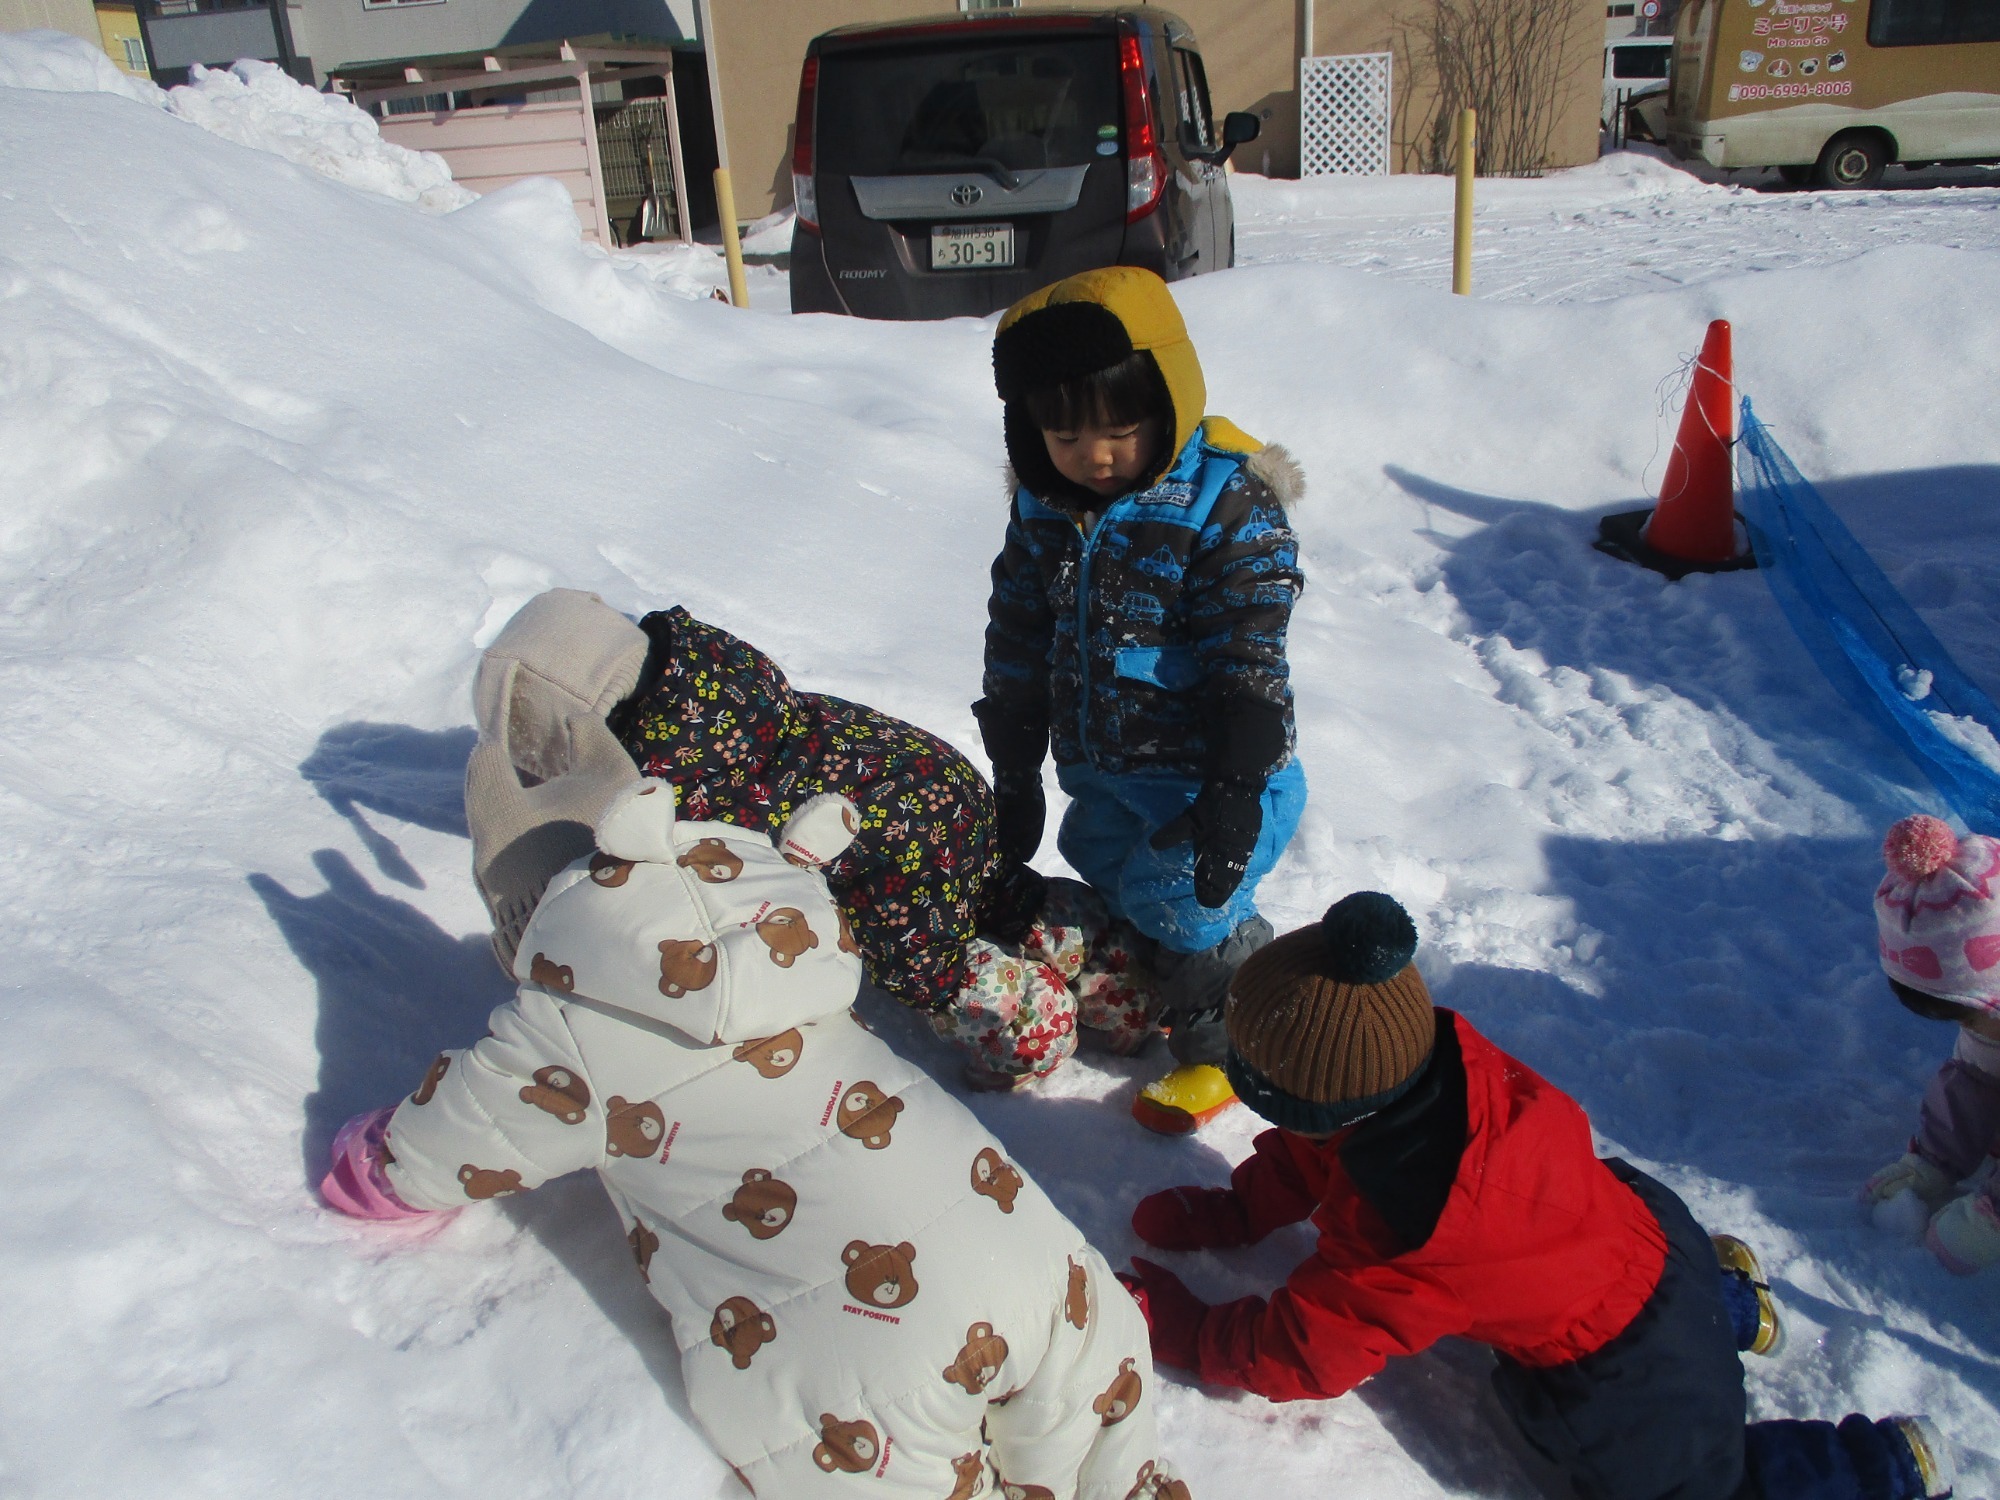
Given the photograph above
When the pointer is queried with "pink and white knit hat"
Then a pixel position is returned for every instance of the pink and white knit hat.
(1937, 912)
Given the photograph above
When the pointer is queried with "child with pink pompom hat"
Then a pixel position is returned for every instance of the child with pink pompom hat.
(1937, 916)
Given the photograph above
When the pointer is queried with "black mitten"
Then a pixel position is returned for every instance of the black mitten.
(1016, 740)
(1224, 823)
(1020, 813)
(1248, 740)
(1010, 902)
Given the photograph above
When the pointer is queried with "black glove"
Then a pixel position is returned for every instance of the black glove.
(1010, 901)
(1248, 739)
(1020, 814)
(1016, 739)
(1224, 823)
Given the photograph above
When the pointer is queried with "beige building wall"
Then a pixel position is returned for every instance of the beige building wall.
(77, 17)
(1250, 49)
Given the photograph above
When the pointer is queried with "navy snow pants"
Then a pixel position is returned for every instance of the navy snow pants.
(1658, 1413)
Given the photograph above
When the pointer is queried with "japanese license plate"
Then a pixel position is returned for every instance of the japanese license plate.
(974, 247)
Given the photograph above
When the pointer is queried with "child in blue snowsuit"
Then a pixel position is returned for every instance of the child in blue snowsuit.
(1137, 629)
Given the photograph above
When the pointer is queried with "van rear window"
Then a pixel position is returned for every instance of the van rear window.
(1020, 104)
(1639, 62)
(1931, 23)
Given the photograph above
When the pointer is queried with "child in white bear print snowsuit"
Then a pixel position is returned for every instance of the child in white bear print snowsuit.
(868, 1297)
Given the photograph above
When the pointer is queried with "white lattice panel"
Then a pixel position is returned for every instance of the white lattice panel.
(1344, 115)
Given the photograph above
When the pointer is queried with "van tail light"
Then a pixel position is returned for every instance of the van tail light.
(1145, 167)
(805, 194)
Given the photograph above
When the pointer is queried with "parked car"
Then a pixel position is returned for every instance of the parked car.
(949, 166)
(1831, 92)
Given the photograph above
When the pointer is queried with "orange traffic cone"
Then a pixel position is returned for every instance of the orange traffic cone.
(1693, 528)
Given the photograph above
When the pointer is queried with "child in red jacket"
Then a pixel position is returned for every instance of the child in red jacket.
(1456, 1193)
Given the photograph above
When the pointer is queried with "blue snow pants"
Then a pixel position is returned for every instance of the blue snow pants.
(1106, 836)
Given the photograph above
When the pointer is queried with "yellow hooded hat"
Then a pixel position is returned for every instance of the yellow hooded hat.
(1077, 327)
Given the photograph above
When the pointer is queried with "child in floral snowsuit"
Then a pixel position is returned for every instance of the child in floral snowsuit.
(1004, 966)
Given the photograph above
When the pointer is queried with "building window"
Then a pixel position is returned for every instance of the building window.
(970, 6)
(395, 4)
(1618, 12)
(135, 53)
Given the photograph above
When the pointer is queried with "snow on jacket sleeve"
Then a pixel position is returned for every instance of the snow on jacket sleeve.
(1960, 1122)
(1279, 1183)
(1241, 583)
(499, 1117)
(1330, 1326)
(1326, 1330)
(1020, 630)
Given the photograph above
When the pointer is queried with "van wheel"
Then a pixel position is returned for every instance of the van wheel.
(1796, 176)
(1854, 160)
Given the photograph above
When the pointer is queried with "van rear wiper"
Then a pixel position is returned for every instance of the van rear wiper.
(998, 170)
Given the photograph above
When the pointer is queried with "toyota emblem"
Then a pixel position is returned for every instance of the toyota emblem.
(966, 194)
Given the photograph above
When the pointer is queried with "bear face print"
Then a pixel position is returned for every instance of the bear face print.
(1156, 1483)
(685, 964)
(740, 1327)
(645, 1244)
(609, 871)
(846, 942)
(713, 862)
(785, 933)
(632, 1128)
(551, 975)
(1121, 1397)
(867, 1115)
(967, 1470)
(979, 1361)
(1076, 1299)
(880, 1275)
(427, 1090)
(483, 1182)
(559, 1092)
(993, 1177)
(763, 1205)
(845, 1447)
(1015, 1491)
(773, 1056)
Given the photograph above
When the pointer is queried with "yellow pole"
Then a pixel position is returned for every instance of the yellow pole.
(732, 247)
(1461, 208)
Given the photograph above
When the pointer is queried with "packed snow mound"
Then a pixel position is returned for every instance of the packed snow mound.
(276, 458)
(254, 104)
(61, 63)
(258, 104)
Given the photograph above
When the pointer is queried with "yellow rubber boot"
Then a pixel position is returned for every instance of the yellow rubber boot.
(1733, 1255)
(1191, 1095)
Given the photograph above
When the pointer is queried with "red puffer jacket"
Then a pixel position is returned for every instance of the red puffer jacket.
(1527, 1242)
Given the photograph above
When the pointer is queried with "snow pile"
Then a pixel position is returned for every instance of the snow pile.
(255, 104)
(258, 104)
(275, 459)
(61, 63)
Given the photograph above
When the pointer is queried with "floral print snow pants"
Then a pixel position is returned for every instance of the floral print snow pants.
(1077, 966)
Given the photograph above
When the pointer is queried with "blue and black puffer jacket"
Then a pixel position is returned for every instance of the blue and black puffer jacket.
(1130, 638)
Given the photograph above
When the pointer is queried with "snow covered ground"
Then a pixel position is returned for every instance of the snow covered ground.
(278, 453)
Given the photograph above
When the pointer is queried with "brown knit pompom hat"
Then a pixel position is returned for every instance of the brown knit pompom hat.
(1333, 1021)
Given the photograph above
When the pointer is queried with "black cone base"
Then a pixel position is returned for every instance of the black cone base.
(1619, 536)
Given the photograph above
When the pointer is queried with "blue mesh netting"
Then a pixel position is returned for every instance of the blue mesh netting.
(1863, 633)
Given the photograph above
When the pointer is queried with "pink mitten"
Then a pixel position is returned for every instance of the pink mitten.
(355, 1184)
(1965, 1235)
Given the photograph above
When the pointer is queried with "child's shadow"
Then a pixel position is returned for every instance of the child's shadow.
(395, 989)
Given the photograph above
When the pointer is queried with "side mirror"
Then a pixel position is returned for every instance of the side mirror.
(1239, 127)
